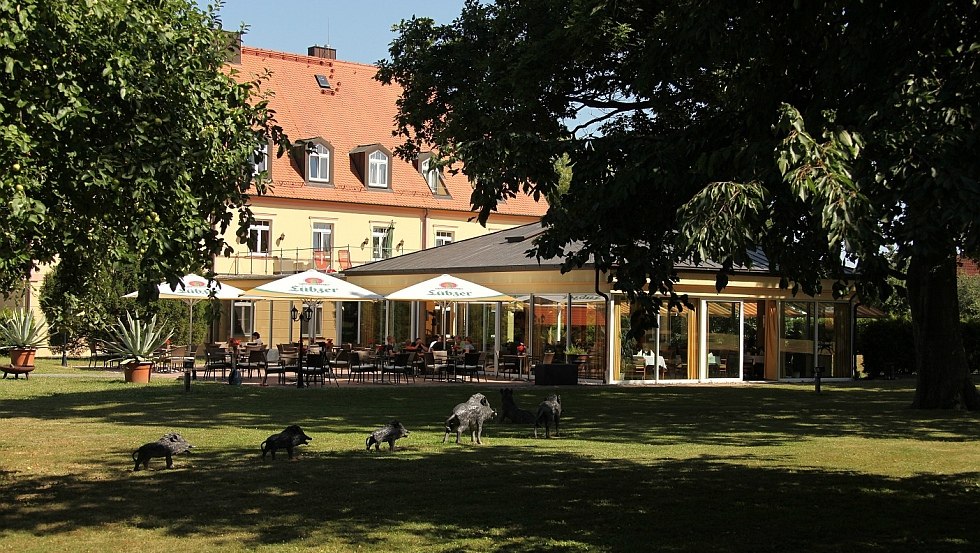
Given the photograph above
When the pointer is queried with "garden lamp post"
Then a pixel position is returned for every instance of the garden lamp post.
(303, 316)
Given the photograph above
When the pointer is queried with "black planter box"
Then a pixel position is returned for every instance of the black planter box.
(555, 375)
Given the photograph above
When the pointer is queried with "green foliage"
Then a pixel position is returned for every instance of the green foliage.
(21, 329)
(123, 137)
(968, 288)
(887, 346)
(137, 339)
(85, 313)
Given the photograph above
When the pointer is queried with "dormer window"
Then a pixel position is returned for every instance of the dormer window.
(314, 158)
(378, 169)
(426, 164)
(372, 164)
(260, 160)
(319, 163)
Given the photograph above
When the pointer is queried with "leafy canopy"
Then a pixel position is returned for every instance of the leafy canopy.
(709, 129)
(123, 137)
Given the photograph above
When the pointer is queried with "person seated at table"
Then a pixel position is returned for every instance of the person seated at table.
(438, 344)
(418, 346)
(653, 361)
(256, 340)
(390, 347)
(468, 346)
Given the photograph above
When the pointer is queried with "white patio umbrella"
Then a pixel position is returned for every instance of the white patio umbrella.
(446, 288)
(312, 287)
(192, 289)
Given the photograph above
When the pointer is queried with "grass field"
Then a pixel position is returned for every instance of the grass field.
(745, 468)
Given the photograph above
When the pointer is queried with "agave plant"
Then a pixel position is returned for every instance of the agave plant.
(137, 340)
(22, 330)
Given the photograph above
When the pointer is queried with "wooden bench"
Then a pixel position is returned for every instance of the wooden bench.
(16, 370)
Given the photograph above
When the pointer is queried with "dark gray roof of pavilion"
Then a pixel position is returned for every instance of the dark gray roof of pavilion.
(502, 251)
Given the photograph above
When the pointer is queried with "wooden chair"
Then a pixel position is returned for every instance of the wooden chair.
(639, 369)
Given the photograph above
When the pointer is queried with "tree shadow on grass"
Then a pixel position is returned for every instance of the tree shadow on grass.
(502, 498)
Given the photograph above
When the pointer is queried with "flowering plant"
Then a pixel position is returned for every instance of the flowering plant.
(234, 342)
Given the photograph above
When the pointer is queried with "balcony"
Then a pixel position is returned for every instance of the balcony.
(295, 260)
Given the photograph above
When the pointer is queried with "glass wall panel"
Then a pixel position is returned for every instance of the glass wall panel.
(754, 340)
(401, 322)
(675, 344)
(349, 320)
(372, 320)
(798, 339)
(479, 325)
(588, 335)
(724, 339)
(549, 326)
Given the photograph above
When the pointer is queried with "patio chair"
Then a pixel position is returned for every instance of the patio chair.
(215, 358)
(403, 364)
(256, 361)
(274, 365)
(318, 368)
(433, 368)
(343, 260)
(473, 362)
(341, 361)
(356, 369)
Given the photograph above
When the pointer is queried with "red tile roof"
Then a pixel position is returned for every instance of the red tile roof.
(356, 111)
(968, 266)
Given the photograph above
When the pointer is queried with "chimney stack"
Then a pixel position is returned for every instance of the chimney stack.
(325, 52)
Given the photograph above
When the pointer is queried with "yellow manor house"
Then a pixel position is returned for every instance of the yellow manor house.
(340, 198)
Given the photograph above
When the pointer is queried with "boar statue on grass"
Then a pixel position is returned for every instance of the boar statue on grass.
(549, 412)
(387, 433)
(289, 438)
(510, 410)
(169, 445)
(470, 416)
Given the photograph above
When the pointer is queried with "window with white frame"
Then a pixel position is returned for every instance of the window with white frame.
(444, 237)
(260, 238)
(323, 242)
(431, 174)
(260, 160)
(381, 238)
(319, 163)
(323, 236)
(378, 169)
(243, 318)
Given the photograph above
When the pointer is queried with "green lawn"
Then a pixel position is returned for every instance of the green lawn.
(754, 468)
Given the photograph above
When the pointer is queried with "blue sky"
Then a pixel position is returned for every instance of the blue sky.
(359, 30)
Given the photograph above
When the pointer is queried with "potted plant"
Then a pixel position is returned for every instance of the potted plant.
(136, 341)
(23, 334)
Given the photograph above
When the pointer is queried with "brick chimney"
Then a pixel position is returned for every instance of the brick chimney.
(325, 52)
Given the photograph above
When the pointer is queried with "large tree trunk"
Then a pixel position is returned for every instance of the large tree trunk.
(944, 380)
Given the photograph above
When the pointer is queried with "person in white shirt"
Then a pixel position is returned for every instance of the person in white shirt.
(653, 361)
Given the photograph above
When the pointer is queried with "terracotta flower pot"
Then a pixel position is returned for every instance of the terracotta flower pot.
(22, 357)
(137, 372)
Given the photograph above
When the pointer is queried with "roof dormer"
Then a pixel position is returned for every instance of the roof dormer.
(432, 173)
(315, 157)
(372, 164)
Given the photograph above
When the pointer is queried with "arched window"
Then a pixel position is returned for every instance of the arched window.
(319, 163)
(378, 169)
